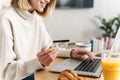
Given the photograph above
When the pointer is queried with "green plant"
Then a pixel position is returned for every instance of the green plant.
(107, 25)
(117, 24)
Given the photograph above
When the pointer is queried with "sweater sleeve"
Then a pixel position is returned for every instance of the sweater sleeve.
(12, 68)
(64, 53)
(47, 40)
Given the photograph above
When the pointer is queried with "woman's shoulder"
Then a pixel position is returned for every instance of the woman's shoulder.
(7, 12)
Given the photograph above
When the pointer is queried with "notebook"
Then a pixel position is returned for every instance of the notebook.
(85, 67)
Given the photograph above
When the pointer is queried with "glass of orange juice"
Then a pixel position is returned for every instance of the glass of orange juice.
(111, 65)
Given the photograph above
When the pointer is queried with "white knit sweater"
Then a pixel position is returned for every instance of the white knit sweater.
(22, 36)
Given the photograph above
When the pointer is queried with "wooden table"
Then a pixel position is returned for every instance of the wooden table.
(46, 75)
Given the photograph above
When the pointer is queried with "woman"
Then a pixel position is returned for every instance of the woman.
(25, 45)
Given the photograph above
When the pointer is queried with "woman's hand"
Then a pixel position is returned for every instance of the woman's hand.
(79, 54)
(47, 56)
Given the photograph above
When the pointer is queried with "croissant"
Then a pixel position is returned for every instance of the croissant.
(68, 75)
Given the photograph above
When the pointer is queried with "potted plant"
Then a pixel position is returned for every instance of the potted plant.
(117, 24)
(108, 26)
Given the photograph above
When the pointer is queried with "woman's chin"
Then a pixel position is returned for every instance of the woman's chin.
(41, 10)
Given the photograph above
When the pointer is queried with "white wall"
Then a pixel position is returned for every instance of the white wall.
(80, 24)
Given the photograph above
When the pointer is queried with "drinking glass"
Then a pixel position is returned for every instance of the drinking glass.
(111, 65)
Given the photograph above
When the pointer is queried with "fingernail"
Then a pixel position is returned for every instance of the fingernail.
(91, 59)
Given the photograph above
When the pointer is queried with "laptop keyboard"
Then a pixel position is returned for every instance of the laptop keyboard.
(88, 66)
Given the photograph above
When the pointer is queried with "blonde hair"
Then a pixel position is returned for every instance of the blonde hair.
(25, 4)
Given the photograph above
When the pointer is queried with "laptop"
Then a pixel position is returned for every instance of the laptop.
(85, 67)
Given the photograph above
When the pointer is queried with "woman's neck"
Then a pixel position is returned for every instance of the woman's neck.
(31, 10)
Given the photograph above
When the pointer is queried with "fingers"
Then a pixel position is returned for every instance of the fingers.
(51, 60)
(80, 53)
(85, 52)
(89, 55)
(46, 51)
(46, 57)
(79, 57)
(75, 55)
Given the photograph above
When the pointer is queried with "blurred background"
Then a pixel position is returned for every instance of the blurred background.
(80, 24)
(76, 21)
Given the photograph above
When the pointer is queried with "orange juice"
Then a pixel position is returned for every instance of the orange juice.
(111, 68)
